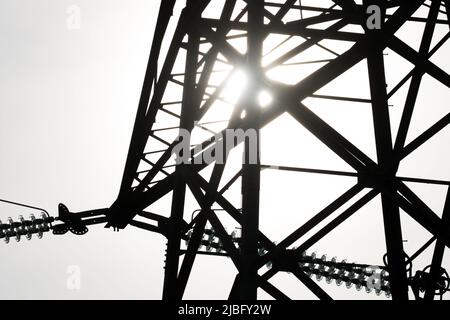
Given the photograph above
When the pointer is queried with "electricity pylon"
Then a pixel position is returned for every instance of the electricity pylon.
(201, 61)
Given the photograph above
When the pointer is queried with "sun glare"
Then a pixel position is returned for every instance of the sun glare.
(265, 99)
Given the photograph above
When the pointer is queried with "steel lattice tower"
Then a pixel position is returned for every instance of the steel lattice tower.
(185, 93)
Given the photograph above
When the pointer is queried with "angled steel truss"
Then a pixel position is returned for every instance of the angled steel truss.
(204, 44)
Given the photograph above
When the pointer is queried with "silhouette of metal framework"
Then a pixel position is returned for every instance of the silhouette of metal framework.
(182, 90)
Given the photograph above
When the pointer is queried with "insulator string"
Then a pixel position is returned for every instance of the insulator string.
(23, 227)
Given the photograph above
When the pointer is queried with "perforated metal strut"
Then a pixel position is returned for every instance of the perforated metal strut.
(66, 221)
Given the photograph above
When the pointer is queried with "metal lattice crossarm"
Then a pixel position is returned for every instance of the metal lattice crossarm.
(75, 222)
(66, 221)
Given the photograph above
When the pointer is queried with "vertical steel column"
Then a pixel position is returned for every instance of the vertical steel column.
(188, 111)
(387, 166)
(251, 171)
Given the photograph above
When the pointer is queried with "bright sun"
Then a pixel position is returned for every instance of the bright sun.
(236, 85)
